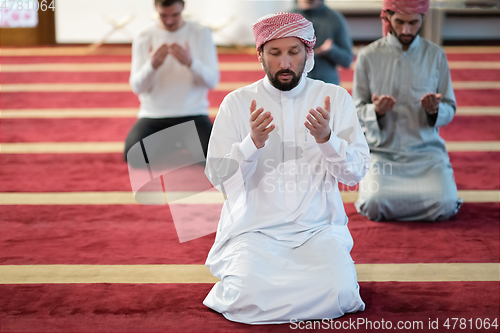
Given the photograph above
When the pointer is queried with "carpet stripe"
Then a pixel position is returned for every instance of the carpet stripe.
(223, 86)
(87, 50)
(112, 67)
(108, 172)
(69, 100)
(491, 146)
(223, 66)
(117, 147)
(110, 87)
(66, 130)
(36, 274)
(178, 197)
(144, 235)
(132, 112)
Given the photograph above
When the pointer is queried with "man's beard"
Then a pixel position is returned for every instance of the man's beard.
(284, 86)
(399, 37)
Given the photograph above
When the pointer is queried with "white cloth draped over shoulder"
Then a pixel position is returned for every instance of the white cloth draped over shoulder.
(282, 249)
(411, 177)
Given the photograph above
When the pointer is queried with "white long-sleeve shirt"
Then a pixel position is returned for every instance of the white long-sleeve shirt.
(289, 188)
(174, 90)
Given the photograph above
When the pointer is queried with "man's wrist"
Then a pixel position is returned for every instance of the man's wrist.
(432, 112)
(258, 145)
(325, 139)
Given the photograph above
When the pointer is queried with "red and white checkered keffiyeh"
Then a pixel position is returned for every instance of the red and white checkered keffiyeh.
(282, 25)
(403, 7)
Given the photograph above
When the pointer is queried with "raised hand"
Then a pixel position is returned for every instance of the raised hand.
(327, 45)
(318, 122)
(182, 54)
(430, 103)
(383, 104)
(259, 121)
(158, 56)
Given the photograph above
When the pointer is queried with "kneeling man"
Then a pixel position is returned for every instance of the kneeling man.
(278, 149)
(403, 95)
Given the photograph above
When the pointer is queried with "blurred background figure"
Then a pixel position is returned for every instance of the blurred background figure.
(174, 64)
(334, 45)
(403, 93)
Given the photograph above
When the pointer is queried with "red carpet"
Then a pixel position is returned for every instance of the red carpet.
(35, 59)
(31, 100)
(122, 234)
(179, 308)
(135, 234)
(108, 172)
(473, 56)
(108, 77)
(225, 76)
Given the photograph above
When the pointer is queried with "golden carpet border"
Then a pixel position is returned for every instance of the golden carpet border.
(132, 112)
(223, 66)
(211, 197)
(62, 50)
(118, 147)
(223, 86)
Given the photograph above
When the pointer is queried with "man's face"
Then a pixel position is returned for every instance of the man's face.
(406, 27)
(170, 16)
(309, 4)
(284, 60)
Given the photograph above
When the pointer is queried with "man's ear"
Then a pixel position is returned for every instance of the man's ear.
(259, 54)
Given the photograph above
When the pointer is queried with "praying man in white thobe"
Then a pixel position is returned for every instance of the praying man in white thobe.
(403, 95)
(278, 149)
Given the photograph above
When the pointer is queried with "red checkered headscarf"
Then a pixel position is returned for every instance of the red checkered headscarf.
(403, 7)
(282, 25)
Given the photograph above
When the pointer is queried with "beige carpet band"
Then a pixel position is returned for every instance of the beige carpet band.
(223, 66)
(127, 50)
(460, 146)
(38, 274)
(132, 112)
(474, 64)
(223, 86)
(118, 147)
(72, 113)
(211, 197)
(93, 87)
(61, 147)
(112, 67)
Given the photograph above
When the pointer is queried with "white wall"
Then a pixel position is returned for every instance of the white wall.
(81, 21)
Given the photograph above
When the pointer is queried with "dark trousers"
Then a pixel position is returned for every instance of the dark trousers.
(144, 127)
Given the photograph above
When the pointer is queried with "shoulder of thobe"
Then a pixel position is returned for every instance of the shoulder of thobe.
(233, 105)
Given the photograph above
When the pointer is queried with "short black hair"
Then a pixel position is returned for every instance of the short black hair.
(167, 3)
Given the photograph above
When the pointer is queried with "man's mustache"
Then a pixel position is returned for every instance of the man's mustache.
(284, 71)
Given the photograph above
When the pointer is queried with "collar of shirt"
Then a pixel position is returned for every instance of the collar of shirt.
(393, 41)
(287, 94)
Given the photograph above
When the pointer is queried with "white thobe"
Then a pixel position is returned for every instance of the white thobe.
(282, 249)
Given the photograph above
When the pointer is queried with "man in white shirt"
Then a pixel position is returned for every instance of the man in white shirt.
(174, 64)
(277, 150)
